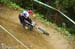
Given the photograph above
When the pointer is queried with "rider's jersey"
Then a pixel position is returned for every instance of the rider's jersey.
(25, 13)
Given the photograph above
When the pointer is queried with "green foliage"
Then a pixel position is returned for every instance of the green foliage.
(11, 4)
(68, 3)
(14, 6)
(5, 1)
(68, 7)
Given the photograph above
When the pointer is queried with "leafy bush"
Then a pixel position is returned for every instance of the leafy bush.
(5, 1)
(11, 4)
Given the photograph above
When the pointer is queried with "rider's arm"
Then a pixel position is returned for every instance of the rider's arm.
(31, 13)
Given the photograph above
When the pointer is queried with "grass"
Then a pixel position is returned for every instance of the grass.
(11, 5)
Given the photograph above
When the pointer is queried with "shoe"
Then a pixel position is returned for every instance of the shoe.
(30, 27)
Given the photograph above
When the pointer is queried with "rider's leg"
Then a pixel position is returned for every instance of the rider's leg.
(21, 18)
(29, 20)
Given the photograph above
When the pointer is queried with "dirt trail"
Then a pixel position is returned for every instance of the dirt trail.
(34, 40)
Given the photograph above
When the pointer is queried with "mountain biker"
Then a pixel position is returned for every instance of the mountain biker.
(25, 16)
